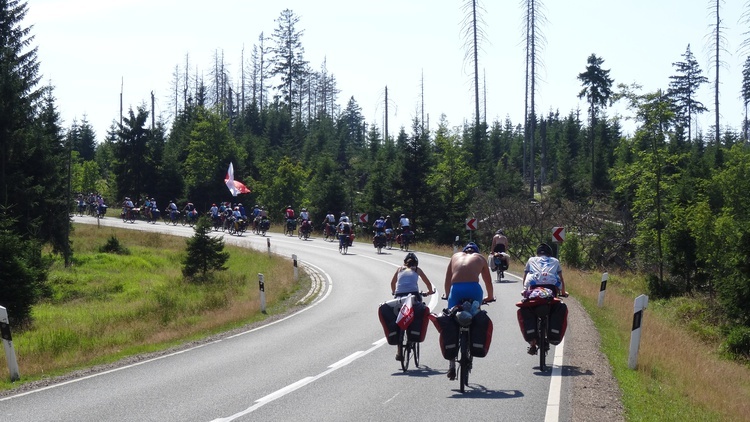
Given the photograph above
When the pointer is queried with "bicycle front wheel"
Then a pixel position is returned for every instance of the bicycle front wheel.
(416, 355)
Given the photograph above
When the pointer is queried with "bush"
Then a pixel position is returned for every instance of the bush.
(738, 341)
(663, 289)
(113, 246)
(571, 252)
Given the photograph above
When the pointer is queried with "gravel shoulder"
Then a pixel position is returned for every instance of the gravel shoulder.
(594, 395)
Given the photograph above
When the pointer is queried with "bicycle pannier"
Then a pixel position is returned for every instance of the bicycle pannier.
(558, 323)
(388, 320)
(527, 323)
(481, 334)
(417, 331)
(448, 329)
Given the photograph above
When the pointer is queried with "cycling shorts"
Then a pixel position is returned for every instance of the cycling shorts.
(465, 290)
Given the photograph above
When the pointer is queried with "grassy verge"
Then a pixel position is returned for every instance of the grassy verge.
(679, 375)
(108, 306)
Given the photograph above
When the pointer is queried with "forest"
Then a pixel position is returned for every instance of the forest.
(668, 201)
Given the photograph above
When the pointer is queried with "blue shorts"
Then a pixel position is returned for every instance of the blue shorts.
(468, 290)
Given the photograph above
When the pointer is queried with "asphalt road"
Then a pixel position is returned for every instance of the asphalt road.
(328, 362)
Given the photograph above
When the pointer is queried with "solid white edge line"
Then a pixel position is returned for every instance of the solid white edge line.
(555, 386)
(328, 292)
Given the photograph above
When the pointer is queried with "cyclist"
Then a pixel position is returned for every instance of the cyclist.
(499, 247)
(304, 215)
(173, 211)
(405, 281)
(343, 217)
(214, 210)
(379, 226)
(404, 224)
(462, 282)
(328, 224)
(344, 230)
(190, 211)
(388, 227)
(127, 207)
(81, 202)
(154, 209)
(540, 271)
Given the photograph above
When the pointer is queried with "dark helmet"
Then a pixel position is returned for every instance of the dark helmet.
(471, 247)
(543, 249)
(411, 257)
(500, 231)
(343, 214)
(382, 218)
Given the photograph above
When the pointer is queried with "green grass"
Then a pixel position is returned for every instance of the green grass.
(109, 306)
(680, 375)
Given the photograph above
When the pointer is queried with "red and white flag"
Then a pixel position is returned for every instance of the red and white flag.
(234, 186)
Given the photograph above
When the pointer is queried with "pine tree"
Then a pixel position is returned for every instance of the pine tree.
(683, 90)
(33, 164)
(205, 253)
(597, 89)
(288, 61)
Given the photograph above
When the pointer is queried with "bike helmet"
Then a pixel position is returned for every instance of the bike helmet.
(403, 215)
(499, 232)
(471, 247)
(411, 257)
(387, 216)
(544, 249)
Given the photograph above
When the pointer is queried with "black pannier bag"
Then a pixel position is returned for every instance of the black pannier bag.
(448, 329)
(481, 334)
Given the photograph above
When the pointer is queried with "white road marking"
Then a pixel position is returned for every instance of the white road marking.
(555, 386)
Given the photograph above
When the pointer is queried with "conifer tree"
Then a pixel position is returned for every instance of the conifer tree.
(683, 90)
(205, 253)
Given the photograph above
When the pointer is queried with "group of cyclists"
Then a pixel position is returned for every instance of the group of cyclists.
(541, 272)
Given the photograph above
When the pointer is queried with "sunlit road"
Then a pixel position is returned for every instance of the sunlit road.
(328, 362)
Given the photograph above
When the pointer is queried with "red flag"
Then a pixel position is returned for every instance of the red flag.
(234, 186)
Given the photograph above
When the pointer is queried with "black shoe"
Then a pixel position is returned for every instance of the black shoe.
(531, 350)
(451, 374)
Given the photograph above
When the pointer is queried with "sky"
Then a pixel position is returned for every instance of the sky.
(91, 50)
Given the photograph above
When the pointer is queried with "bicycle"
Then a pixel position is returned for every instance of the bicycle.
(343, 243)
(171, 217)
(128, 215)
(408, 348)
(290, 227)
(500, 266)
(379, 241)
(542, 307)
(464, 359)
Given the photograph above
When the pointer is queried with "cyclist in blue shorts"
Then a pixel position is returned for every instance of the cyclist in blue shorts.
(462, 282)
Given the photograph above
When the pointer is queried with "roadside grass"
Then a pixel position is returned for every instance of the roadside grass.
(680, 374)
(106, 306)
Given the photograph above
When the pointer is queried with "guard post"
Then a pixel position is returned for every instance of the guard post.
(262, 287)
(635, 335)
(296, 270)
(603, 289)
(455, 245)
(10, 353)
(268, 245)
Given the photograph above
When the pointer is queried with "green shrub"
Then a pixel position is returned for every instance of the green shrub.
(738, 341)
(113, 246)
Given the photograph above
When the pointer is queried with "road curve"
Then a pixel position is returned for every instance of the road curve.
(327, 362)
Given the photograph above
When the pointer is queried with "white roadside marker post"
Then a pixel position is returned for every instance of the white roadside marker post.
(603, 289)
(296, 270)
(635, 335)
(10, 353)
(262, 287)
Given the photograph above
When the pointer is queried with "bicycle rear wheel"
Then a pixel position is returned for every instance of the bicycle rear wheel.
(542, 343)
(464, 365)
(405, 351)
(416, 355)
